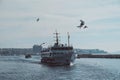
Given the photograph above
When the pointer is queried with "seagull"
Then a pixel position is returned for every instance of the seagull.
(37, 19)
(81, 24)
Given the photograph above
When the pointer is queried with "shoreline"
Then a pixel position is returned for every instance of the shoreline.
(98, 56)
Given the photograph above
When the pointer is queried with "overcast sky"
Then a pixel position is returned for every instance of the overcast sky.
(19, 28)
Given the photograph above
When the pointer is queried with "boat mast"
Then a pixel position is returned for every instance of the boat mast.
(57, 40)
(68, 38)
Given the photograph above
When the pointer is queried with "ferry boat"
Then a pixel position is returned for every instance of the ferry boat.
(58, 54)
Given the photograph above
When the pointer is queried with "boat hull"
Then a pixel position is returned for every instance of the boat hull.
(63, 60)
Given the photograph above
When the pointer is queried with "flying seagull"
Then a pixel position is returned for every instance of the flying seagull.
(81, 24)
(37, 19)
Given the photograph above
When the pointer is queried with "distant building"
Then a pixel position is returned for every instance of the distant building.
(89, 51)
(37, 48)
(15, 51)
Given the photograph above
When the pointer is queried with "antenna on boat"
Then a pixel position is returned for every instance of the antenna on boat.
(68, 38)
(57, 40)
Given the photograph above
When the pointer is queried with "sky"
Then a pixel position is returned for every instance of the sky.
(19, 28)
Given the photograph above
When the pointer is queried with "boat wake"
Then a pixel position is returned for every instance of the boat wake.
(33, 59)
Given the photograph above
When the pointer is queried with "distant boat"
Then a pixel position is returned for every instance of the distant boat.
(28, 56)
(58, 54)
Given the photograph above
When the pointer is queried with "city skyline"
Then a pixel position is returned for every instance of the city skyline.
(19, 28)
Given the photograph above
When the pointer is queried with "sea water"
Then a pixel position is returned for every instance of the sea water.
(20, 68)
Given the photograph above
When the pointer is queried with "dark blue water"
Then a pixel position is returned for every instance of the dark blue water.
(19, 68)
